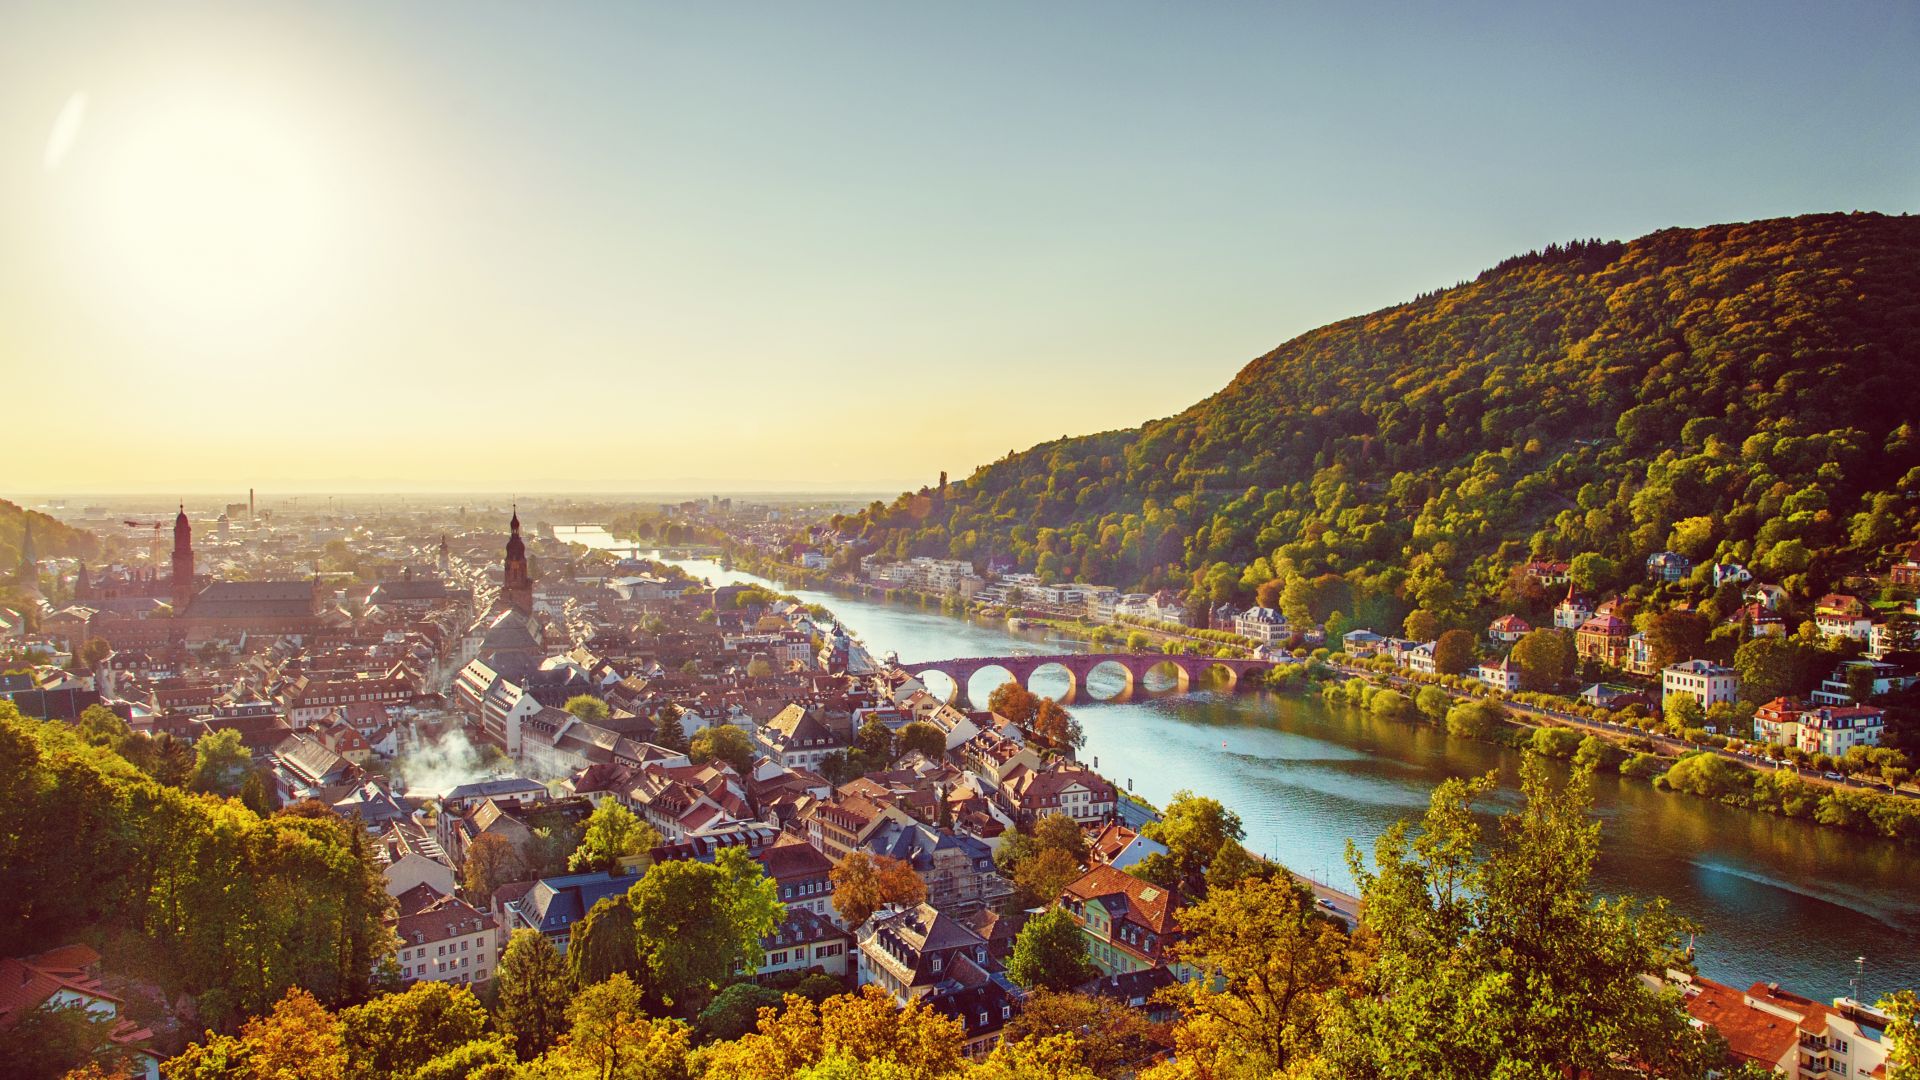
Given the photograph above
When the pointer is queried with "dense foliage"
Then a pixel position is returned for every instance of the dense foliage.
(1738, 391)
(200, 892)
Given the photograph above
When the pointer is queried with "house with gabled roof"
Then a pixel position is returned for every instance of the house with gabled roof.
(1129, 923)
(70, 976)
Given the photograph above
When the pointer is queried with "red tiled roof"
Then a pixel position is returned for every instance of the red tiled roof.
(1752, 1034)
(1148, 905)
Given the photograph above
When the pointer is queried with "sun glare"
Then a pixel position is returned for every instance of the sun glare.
(204, 217)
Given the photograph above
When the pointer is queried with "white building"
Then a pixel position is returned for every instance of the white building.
(1264, 625)
(448, 940)
(1501, 674)
(1710, 683)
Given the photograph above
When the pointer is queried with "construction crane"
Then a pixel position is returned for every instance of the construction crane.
(157, 526)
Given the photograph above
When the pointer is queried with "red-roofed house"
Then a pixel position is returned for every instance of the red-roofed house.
(1781, 1030)
(1130, 924)
(69, 976)
(1508, 629)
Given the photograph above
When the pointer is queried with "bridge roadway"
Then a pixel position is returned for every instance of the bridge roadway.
(1188, 671)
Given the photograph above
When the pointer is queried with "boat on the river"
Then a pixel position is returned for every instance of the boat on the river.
(1016, 623)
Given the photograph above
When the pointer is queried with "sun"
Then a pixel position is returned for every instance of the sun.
(204, 216)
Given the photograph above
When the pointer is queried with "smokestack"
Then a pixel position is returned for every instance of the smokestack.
(249, 504)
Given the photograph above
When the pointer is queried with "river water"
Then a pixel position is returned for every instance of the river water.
(1774, 900)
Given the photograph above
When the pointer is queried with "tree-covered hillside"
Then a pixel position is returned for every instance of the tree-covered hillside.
(1742, 392)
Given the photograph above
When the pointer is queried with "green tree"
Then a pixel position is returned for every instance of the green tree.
(1544, 658)
(1422, 625)
(735, 1011)
(395, 1034)
(588, 708)
(1433, 702)
(1903, 1035)
(221, 763)
(1193, 828)
(1473, 720)
(532, 986)
(923, 738)
(724, 743)
(1050, 953)
(604, 942)
(1492, 957)
(51, 1039)
(698, 922)
(1767, 668)
(612, 833)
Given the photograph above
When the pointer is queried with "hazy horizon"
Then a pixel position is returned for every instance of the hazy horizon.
(432, 248)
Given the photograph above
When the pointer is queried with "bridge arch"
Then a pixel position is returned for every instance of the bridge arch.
(1054, 668)
(1153, 669)
(1110, 667)
(986, 677)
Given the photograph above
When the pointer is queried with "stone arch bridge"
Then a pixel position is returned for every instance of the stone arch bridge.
(1187, 671)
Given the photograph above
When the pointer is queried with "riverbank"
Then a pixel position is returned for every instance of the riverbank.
(1774, 898)
(1669, 764)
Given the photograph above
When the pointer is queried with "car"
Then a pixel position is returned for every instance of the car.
(1324, 902)
(1840, 777)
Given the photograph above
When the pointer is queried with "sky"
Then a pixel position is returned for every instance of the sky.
(841, 246)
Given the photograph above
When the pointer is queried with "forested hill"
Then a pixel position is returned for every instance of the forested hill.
(1740, 391)
(51, 537)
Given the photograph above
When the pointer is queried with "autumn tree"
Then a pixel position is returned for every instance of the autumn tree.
(1421, 625)
(1057, 830)
(1108, 1037)
(863, 884)
(1050, 952)
(298, 1040)
(1676, 636)
(1042, 878)
(491, 862)
(610, 1034)
(1903, 1035)
(1056, 726)
(699, 922)
(1453, 652)
(1265, 957)
(532, 985)
(1015, 702)
(613, 832)
(867, 1027)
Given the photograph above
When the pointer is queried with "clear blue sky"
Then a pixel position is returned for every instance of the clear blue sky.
(624, 246)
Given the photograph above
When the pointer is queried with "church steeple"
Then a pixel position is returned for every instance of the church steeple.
(517, 586)
(29, 572)
(182, 562)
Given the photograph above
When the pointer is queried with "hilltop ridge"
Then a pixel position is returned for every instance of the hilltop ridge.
(1740, 392)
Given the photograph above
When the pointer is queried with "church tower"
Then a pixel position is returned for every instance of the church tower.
(446, 557)
(182, 563)
(28, 575)
(518, 588)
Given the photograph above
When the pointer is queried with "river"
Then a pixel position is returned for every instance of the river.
(1774, 900)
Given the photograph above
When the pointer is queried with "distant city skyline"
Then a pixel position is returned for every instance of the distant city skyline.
(435, 248)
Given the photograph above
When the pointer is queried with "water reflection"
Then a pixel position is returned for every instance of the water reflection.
(1774, 899)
